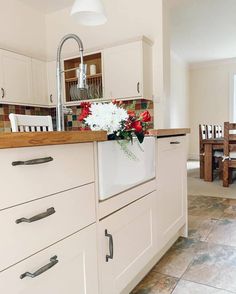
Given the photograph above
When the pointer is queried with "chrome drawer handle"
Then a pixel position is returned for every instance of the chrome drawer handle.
(138, 87)
(38, 217)
(111, 248)
(33, 161)
(175, 143)
(3, 93)
(53, 262)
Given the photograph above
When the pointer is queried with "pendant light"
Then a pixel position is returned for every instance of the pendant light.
(89, 12)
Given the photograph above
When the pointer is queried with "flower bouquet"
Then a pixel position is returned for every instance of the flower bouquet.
(120, 124)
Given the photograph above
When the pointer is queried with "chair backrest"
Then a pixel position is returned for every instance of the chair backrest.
(30, 123)
(202, 132)
(210, 131)
(218, 131)
(229, 138)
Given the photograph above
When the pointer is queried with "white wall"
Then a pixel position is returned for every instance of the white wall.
(177, 107)
(126, 19)
(209, 96)
(29, 32)
(22, 29)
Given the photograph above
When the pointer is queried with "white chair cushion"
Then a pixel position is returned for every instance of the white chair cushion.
(218, 154)
(232, 155)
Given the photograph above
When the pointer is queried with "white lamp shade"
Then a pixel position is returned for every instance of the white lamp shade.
(89, 12)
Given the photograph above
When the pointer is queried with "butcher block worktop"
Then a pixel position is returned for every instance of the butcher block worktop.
(168, 132)
(15, 140)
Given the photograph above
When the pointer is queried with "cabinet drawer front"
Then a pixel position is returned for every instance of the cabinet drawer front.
(133, 231)
(74, 209)
(171, 143)
(75, 272)
(72, 166)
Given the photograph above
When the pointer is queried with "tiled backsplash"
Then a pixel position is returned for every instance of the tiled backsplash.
(5, 110)
(72, 122)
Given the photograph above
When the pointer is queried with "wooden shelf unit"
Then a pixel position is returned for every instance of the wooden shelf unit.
(95, 82)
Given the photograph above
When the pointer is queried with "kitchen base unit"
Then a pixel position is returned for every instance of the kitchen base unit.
(128, 241)
(69, 266)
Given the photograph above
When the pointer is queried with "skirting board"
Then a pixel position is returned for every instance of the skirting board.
(193, 156)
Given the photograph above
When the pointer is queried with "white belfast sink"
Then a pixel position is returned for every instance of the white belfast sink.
(117, 172)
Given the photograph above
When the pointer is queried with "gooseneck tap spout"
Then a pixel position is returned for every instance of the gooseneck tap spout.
(61, 109)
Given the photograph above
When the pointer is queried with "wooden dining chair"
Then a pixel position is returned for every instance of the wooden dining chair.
(202, 136)
(30, 123)
(210, 132)
(229, 159)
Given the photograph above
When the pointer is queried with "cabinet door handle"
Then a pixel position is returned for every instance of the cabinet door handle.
(3, 92)
(53, 262)
(111, 248)
(175, 143)
(138, 87)
(37, 217)
(51, 98)
(33, 161)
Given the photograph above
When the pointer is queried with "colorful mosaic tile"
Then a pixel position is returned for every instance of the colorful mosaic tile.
(71, 121)
(5, 110)
(137, 105)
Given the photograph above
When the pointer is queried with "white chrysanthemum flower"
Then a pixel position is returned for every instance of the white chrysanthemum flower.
(107, 117)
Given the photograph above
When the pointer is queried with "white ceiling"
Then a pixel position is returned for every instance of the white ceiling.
(203, 29)
(48, 6)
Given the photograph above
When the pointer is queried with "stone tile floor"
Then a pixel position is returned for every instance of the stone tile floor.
(203, 263)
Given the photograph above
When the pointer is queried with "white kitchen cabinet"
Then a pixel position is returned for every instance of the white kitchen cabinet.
(57, 171)
(39, 83)
(15, 78)
(75, 272)
(52, 83)
(128, 70)
(133, 240)
(55, 218)
(171, 186)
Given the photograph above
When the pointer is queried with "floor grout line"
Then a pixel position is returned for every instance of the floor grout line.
(220, 209)
(208, 285)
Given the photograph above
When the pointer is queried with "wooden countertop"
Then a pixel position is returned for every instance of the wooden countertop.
(168, 132)
(15, 140)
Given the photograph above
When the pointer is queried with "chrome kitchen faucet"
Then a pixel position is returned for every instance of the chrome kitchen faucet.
(81, 73)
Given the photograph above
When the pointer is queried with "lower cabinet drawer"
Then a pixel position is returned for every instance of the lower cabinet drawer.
(70, 266)
(34, 172)
(53, 218)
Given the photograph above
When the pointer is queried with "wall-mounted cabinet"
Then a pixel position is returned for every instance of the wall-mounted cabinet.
(128, 70)
(52, 83)
(15, 78)
(23, 80)
(118, 72)
(94, 78)
(122, 72)
(39, 82)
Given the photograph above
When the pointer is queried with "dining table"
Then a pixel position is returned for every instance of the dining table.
(210, 145)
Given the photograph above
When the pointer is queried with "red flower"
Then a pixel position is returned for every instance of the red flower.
(131, 113)
(137, 126)
(85, 105)
(118, 103)
(85, 110)
(145, 116)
